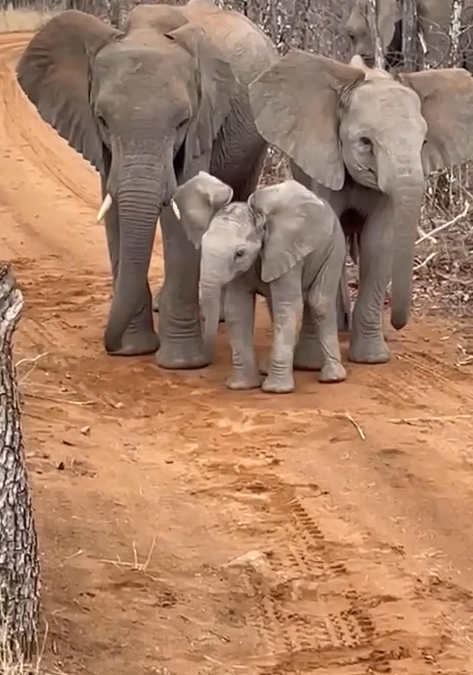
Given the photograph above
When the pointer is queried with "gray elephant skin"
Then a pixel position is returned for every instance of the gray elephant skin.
(364, 141)
(149, 106)
(284, 243)
(434, 23)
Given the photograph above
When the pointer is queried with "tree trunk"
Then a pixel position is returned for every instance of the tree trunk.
(373, 14)
(411, 51)
(19, 562)
(455, 57)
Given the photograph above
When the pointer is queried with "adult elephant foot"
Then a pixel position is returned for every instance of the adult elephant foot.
(137, 344)
(140, 337)
(368, 350)
(182, 354)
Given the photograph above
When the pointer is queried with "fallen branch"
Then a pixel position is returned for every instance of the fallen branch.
(427, 260)
(360, 431)
(444, 226)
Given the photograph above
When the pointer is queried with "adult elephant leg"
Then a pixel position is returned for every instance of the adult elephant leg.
(367, 343)
(140, 336)
(180, 332)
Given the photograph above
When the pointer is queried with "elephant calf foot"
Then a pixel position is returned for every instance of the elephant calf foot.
(307, 356)
(278, 384)
(242, 380)
(369, 350)
(188, 354)
(332, 372)
(137, 344)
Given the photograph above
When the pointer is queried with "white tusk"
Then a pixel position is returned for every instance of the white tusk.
(175, 208)
(107, 203)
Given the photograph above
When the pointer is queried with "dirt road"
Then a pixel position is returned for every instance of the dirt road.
(352, 503)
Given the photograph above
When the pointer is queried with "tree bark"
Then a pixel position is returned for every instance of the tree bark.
(373, 13)
(455, 32)
(19, 562)
(411, 52)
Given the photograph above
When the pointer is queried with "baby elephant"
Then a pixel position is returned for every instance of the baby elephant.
(284, 243)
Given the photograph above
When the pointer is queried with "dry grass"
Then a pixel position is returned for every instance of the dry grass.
(22, 20)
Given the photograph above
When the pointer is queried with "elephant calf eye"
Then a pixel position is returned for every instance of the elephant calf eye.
(366, 143)
(239, 253)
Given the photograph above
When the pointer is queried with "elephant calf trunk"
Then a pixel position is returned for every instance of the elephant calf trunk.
(211, 313)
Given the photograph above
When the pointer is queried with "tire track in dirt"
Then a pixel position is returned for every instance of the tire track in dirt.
(312, 608)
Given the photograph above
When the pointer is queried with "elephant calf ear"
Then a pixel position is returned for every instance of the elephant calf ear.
(54, 74)
(216, 89)
(446, 97)
(295, 104)
(197, 201)
(296, 225)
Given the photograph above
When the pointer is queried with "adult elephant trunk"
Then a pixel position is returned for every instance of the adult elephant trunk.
(405, 185)
(143, 188)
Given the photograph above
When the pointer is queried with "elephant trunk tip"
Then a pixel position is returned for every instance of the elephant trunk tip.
(399, 318)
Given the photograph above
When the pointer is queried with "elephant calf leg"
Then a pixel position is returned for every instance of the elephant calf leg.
(240, 313)
(307, 355)
(323, 303)
(286, 299)
(332, 369)
(344, 304)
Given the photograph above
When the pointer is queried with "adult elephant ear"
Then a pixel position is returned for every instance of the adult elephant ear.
(295, 104)
(296, 223)
(54, 73)
(196, 202)
(446, 98)
(216, 87)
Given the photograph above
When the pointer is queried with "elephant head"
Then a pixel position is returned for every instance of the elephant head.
(434, 23)
(280, 223)
(143, 106)
(334, 119)
(357, 27)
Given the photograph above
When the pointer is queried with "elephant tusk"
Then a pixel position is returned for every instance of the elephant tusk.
(175, 208)
(107, 203)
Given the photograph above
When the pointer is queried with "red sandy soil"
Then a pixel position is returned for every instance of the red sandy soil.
(148, 485)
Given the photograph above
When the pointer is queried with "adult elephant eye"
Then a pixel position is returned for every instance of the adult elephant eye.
(182, 124)
(101, 122)
(239, 253)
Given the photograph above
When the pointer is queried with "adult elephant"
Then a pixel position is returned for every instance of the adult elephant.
(149, 107)
(364, 141)
(434, 23)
